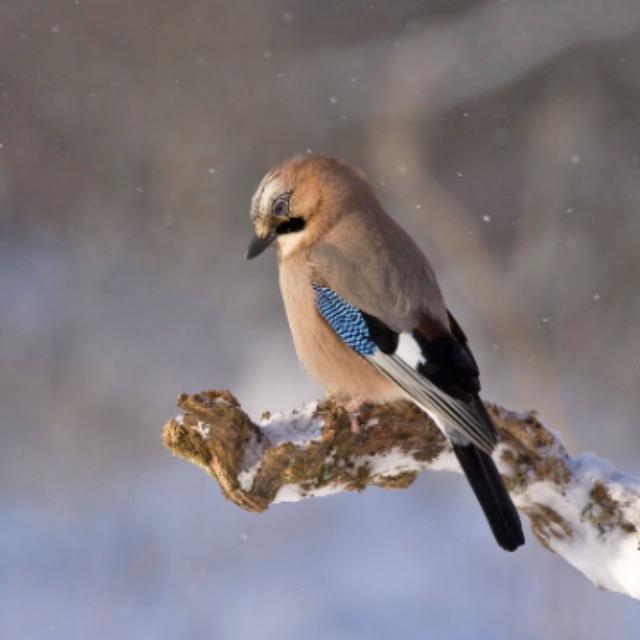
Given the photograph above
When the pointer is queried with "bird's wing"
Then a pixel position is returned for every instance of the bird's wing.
(432, 366)
(375, 265)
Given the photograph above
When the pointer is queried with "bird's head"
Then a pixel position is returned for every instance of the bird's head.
(301, 199)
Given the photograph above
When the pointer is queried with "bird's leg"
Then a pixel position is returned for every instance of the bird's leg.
(353, 406)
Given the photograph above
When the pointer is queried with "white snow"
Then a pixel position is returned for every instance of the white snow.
(605, 552)
(607, 555)
(294, 493)
(389, 464)
(203, 429)
(446, 461)
(298, 427)
(248, 475)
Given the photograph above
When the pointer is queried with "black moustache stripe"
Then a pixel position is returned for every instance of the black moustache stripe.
(290, 226)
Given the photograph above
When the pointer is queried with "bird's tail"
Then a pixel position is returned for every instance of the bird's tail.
(487, 484)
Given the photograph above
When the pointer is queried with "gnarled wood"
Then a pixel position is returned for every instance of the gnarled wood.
(580, 508)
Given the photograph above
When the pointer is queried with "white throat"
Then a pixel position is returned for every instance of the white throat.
(289, 243)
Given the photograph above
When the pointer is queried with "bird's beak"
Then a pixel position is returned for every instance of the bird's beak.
(258, 244)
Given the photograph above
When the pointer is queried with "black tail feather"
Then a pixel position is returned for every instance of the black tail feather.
(487, 484)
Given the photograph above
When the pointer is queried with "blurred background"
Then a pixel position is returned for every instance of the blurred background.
(504, 135)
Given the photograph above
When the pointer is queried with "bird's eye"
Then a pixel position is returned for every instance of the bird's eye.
(281, 207)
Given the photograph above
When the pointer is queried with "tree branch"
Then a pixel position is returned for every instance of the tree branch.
(580, 508)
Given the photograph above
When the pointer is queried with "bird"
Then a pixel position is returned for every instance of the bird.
(367, 315)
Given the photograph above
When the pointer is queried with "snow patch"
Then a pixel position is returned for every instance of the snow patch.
(247, 476)
(294, 493)
(298, 428)
(446, 461)
(389, 464)
(605, 553)
(203, 429)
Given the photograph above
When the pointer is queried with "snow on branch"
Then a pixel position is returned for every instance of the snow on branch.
(580, 508)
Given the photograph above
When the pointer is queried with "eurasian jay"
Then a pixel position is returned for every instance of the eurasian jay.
(367, 316)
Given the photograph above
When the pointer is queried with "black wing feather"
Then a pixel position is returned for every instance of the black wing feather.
(450, 366)
(386, 339)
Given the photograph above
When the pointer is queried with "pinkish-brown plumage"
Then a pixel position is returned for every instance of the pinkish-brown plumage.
(340, 370)
(351, 245)
(367, 316)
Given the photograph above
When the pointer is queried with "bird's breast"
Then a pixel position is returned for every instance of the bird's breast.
(337, 367)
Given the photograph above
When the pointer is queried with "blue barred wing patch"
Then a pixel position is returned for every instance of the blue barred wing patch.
(345, 319)
(404, 364)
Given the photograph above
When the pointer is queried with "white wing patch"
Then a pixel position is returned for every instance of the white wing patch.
(409, 350)
(451, 415)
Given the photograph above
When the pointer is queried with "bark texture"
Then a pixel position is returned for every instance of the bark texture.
(580, 508)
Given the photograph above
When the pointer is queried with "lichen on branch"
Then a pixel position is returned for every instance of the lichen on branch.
(582, 509)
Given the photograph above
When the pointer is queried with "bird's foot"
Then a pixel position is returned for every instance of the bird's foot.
(353, 407)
